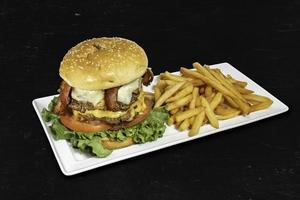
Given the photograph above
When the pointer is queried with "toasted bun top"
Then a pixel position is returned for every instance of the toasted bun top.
(102, 63)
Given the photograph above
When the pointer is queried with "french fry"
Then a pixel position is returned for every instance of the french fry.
(225, 110)
(177, 124)
(256, 97)
(170, 82)
(220, 77)
(197, 124)
(191, 120)
(168, 87)
(203, 71)
(162, 76)
(174, 111)
(184, 74)
(187, 84)
(243, 90)
(195, 95)
(204, 95)
(237, 82)
(210, 98)
(180, 102)
(209, 113)
(181, 93)
(170, 121)
(198, 101)
(231, 115)
(252, 102)
(177, 78)
(197, 82)
(237, 97)
(216, 100)
(222, 100)
(218, 86)
(245, 107)
(184, 125)
(241, 83)
(167, 94)
(161, 84)
(187, 114)
(261, 106)
(157, 93)
(231, 102)
(215, 84)
(208, 91)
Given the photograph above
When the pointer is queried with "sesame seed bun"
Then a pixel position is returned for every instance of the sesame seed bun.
(103, 63)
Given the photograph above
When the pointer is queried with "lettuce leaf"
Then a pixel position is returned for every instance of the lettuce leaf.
(150, 129)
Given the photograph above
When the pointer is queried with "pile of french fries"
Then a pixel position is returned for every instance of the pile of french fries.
(204, 95)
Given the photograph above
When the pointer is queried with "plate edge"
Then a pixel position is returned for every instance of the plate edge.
(61, 165)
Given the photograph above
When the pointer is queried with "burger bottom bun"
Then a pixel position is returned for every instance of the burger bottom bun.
(113, 144)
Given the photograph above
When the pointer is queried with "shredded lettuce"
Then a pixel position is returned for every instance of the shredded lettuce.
(149, 130)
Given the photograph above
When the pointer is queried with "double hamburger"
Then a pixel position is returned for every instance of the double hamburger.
(102, 87)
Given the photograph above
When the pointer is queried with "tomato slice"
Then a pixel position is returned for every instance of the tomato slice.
(75, 125)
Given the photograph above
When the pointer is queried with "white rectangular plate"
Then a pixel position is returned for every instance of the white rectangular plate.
(71, 161)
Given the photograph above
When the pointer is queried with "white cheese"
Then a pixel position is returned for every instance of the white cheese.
(125, 92)
(92, 96)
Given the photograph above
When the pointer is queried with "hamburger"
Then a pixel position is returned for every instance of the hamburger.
(101, 94)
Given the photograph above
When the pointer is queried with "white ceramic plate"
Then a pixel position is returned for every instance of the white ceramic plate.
(71, 161)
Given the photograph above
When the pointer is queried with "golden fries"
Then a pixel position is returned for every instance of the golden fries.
(194, 98)
(181, 93)
(209, 113)
(197, 124)
(228, 116)
(204, 95)
(167, 94)
(243, 90)
(216, 100)
(170, 121)
(236, 82)
(219, 76)
(157, 93)
(170, 82)
(184, 125)
(187, 114)
(225, 110)
(197, 82)
(261, 106)
(198, 101)
(255, 97)
(180, 102)
(208, 91)
(210, 82)
(173, 77)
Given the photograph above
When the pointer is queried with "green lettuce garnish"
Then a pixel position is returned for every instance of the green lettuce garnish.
(149, 130)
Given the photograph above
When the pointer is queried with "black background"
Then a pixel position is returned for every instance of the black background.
(256, 161)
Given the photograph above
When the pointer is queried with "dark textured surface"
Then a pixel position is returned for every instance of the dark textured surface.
(257, 161)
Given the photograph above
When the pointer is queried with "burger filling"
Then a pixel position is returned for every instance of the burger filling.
(114, 105)
(113, 117)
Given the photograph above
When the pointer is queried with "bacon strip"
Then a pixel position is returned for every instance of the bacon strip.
(147, 77)
(64, 98)
(65, 90)
(111, 99)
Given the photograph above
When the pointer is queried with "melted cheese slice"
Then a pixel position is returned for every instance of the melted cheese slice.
(92, 96)
(125, 92)
(138, 106)
(95, 96)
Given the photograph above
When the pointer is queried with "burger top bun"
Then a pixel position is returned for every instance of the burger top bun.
(103, 63)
